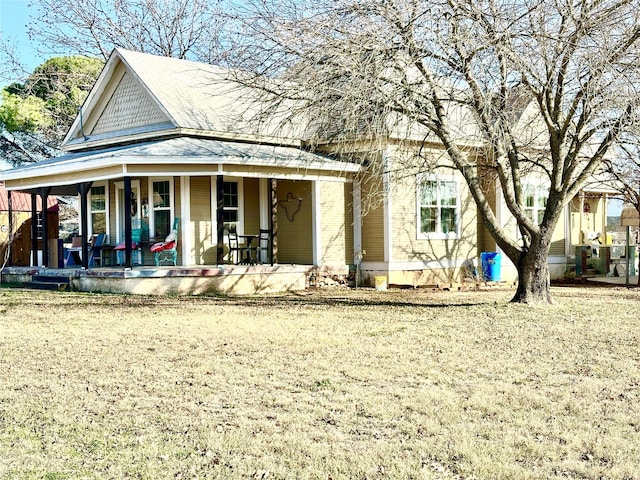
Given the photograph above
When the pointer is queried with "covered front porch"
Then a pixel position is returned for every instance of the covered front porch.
(131, 196)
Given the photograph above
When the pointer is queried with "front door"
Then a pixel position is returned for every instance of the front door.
(133, 205)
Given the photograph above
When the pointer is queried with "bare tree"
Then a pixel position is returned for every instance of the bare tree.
(624, 169)
(172, 28)
(534, 85)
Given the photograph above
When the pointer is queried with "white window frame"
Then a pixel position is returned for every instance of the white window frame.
(214, 204)
(438, 234)
(152, 209)
(104, 184)
(540, 190)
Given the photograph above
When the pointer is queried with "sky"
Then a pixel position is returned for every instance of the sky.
(14, 17)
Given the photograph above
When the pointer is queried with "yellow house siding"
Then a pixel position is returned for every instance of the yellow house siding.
(348, 236)
(372, 228)
(406, 244)
(204, 249)
(336, 219)
(251, 190)
(129, 107)
(295, 243)
(486, 243)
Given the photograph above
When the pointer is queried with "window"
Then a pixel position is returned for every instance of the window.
(98, 206)
(438, 207)
(161, 208)
(231, 206)
(535, 201)
(232, 211)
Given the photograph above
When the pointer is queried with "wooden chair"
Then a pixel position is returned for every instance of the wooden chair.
(73, 252)
(234, 246)
(240, 252)
(167, 251)
(263, 254)
(95, 250)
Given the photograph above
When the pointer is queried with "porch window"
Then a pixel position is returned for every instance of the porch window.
(161, 208)
(231, 206)
(438, 207)
(535, 201)
(98, 204)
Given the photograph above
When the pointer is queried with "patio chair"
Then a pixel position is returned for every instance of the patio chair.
(262, 248)
(167, 251)
(240, 252)
(95, 250)
(136, 238)
(72, 256)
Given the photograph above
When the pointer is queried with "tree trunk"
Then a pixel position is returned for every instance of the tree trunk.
(534, 284)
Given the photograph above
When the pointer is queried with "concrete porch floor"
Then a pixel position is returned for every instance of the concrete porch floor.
(170, 280)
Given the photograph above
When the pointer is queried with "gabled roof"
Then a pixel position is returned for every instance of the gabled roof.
(171, 96)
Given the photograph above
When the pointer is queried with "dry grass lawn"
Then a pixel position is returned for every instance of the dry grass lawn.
(337, 384)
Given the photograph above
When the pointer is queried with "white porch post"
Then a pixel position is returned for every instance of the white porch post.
(185, 221)
(357, 222)
(388, 232)
(316, 223)
(265, 203)
(567, 230)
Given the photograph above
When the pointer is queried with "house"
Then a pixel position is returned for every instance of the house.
(162, 142)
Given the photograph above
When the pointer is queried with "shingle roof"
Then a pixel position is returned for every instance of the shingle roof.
(194, 95)
(186, 150)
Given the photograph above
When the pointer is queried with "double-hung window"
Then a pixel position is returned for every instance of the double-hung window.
(438, 207)
(535, 201)
(160, 207)
(231, 206)
(98, 204)
(232, 211)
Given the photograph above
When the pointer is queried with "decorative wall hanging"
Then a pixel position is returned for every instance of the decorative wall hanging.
(291, 205)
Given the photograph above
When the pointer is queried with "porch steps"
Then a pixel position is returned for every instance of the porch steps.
(49, 282)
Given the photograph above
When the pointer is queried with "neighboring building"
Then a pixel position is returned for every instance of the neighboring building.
(19, 221)
(161, 138)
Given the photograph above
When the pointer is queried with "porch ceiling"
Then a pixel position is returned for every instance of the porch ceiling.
(177, 156)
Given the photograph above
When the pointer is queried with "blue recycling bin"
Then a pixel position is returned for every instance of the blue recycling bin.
(491, 266)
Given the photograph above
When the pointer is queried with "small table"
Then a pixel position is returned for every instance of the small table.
(248, 260)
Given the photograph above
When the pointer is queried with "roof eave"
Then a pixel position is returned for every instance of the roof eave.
(124, 138)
